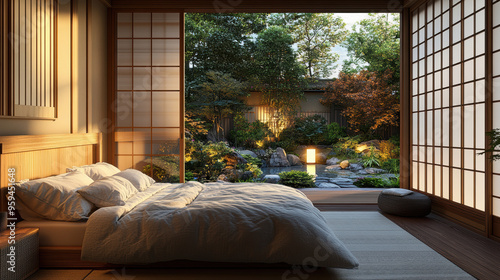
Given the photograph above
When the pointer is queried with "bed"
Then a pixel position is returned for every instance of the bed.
(224, 223)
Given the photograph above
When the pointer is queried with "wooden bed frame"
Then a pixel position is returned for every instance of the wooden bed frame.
(38, 156)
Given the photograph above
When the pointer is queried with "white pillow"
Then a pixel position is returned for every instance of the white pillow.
(96, 171)
(397, 192)
(56, 197)
(110, 191)
(140, 180)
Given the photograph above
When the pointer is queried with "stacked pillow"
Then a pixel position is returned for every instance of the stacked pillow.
(72, 196)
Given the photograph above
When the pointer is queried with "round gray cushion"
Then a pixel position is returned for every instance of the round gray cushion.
(412, 205)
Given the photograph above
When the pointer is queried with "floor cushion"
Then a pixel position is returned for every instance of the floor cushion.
(412, 204)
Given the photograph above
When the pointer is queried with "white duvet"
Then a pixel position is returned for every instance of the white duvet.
(263, 223)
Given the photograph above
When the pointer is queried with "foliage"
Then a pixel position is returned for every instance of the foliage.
(206, 161)
(373, 45)
(165, 169)
(392, 165)
(195, 127)
(219, 97)
(266, 155)
(220, 42)
(334, 132)
(315, 36)
(280, 76)
(256, 171)
(494, 144)
(310, 130)
(388, 150)
(368, 182)
(189, 176)
(372, 158)
(367, 99)
(247, 134)
(346, 147)
(251, 160)
(297, 179)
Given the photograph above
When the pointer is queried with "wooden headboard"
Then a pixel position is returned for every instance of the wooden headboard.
(38, 156)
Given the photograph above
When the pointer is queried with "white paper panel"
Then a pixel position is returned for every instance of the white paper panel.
(437, 180)
(469, 126)
(437, 128)
(469, 156)
(457, 185)
(480, 126)
(457, 127)
(430, 182)
(446, 157)
(437, 155)
(457, 158)
(496, 185)
(446, 182)
(496, 206)
(480, 191)
(421, 176)
(414, 175)
(469, 188)
(480, 160)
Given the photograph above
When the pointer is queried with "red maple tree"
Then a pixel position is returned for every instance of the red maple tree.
(368, 101)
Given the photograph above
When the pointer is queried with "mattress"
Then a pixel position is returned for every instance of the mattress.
(58, 233)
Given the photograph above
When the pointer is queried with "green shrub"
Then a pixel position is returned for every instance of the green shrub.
(310, 130)
(334, 132)
(247, 134)
(251, 160)
(391, 165)
(189, 176)
(297, 179)
(393, 182)
(367, 182)
(206, 161)
(372, 158)
(165, 169)
(346, 147)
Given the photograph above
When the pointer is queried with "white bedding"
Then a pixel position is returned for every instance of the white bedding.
(263, 223)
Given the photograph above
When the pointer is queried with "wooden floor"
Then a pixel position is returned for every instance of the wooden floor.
(474, 253)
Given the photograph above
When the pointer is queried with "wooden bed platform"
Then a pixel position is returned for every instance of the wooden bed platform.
(38, 156)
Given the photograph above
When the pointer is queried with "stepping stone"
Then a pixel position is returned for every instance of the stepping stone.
(341, 181)
(327, 185)
(274, 179)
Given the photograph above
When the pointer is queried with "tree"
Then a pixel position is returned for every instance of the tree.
(221, 43)
(219, 97)
(280, 75)
(373, 45)
(315, 36)
(367, 99)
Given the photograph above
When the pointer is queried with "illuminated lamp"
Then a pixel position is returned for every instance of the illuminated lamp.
(311, 156)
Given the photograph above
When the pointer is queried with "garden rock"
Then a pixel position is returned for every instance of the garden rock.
(332, 161)
(362, 172)
(344, 164)
(320, 158)
(233, 175)
(248, 152)
(222, 178)
(293, 160)
(355, 167)
(328, 185)
(233, 159)
(279, 159)
(273, 179)
(341, 181)
(374, 170)
(333, 167)
(364, 147)
(247, 175)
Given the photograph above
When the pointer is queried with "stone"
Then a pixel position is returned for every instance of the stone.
(293, 160)
(273, 179)
(233, 159)
(279, 159)
(355, 167)
(320, 158)
(332, 161)
(333, 167)
(364, 147)
(222, 178)
(233, 175)
(372, 170)
(328, 185)
(247, 175)
(341, 181)
(344, 164)
(362, 172)
(248, 152)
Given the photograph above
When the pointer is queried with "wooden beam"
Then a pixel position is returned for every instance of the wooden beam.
(24, 143)
(228, 6)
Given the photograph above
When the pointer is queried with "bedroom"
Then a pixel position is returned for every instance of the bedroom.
(84, 105)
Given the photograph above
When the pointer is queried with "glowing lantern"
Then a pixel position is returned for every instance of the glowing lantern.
(311, 156)
(311, 169)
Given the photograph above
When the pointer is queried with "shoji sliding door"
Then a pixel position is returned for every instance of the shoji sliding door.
(451, 107)
(148, 97)
(496, 112)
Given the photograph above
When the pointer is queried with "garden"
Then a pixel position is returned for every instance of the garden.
(280, 56)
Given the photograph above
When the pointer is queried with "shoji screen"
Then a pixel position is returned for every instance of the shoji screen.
(496, 109)
(148, 94)
(448, 100)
